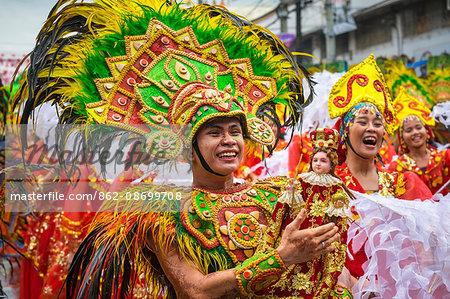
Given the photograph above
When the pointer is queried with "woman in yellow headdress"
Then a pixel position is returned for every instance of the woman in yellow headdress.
(414, 132)
(362, 102)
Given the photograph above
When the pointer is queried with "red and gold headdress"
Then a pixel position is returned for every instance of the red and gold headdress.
(364, 83)
(406, 105)
(325, 138)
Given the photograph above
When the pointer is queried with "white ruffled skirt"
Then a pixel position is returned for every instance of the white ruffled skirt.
(408, 245)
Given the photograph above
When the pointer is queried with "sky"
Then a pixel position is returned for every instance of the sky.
(21, 20)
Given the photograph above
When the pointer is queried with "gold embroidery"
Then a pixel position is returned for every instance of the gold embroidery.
(386, 184)
(302, 281)
(317, 206)
(400, 186)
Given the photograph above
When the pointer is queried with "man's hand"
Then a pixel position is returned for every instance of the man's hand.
(298, 246)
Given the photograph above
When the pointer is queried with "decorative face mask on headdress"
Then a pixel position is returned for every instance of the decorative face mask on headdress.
(363, 83)
(162, 71)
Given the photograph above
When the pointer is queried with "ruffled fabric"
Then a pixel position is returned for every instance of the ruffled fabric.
(320, 179)
(408, 243)
(441, 112)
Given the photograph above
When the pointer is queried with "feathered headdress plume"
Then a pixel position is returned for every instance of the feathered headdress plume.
(132, 65)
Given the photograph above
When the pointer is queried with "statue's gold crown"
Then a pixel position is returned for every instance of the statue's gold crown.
(328, 138)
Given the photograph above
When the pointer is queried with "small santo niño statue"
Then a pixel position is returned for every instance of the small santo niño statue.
(319, 200)
(325, 198)
(324, 160)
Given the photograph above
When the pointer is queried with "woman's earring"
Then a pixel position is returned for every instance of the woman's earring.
(344, 137)
(404, 147)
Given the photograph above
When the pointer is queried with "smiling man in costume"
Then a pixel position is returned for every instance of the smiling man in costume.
(189, 82)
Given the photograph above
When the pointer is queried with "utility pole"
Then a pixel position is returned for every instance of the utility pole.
(298, 38)
(330, 37)
(283, 14)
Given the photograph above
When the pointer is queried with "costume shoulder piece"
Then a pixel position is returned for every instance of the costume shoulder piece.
(320, 179)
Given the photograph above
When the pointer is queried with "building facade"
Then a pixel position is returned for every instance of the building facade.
(415, 28)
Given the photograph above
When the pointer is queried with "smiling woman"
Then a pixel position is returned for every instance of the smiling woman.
(416, 154)
(365, 109)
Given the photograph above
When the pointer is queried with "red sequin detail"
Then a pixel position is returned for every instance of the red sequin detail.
(388, 116)
(247, 274)
(131, 81)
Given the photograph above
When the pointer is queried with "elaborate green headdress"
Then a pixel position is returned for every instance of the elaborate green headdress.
(161, 71)
(439, 84)
(398, 75)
